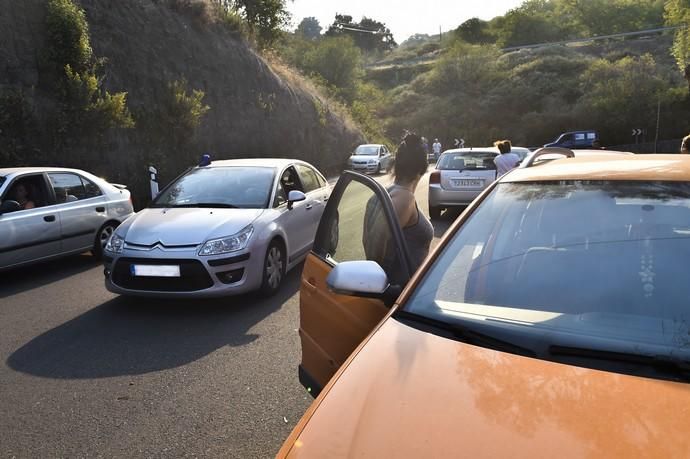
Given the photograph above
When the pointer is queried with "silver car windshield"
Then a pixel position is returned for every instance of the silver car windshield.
(228, 187)
(467, 160)
(367, 150)
(595, 265)
(2, 179)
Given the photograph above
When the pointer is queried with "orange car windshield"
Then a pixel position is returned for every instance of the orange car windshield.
(594, 265)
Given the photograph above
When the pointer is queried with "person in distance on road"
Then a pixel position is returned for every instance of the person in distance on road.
(506, 160)
(685, 145)
(437, 148)
(410, 166)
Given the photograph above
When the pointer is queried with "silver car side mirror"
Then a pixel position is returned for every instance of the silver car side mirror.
(295, 196)
(358, 278)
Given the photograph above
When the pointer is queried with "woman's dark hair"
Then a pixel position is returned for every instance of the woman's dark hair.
(410, 161)
(503, 146)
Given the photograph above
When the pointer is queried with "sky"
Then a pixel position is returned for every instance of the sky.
(403, 17)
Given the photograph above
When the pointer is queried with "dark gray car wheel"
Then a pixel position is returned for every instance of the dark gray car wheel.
(102, 239)
(274, 268)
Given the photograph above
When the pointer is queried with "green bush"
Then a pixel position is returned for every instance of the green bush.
(67, 37)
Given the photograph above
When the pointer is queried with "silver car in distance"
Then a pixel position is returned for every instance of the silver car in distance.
(230, 227)
(49, 212)
(371, 159)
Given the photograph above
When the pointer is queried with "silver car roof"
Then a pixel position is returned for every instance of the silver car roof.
(5, 171)
(257, 162)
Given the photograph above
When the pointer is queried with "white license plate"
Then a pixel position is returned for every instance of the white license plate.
(155, 270)
(465, 183)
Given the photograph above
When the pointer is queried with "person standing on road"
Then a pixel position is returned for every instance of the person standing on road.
(410, 166)
(506, 160)
(436, 148)
(685, 145)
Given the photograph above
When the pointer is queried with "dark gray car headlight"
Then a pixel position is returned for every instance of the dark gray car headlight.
(115, 244)
(228, 244)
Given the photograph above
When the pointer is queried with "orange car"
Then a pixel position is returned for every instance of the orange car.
(551, 321)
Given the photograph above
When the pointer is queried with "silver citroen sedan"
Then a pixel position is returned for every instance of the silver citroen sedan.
(52, 212)
(230, 227)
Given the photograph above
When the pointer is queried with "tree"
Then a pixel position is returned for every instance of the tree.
(368, 34)
(338, 62)
(309, 28)
(677, 13)
(474, 31)
(264, 17)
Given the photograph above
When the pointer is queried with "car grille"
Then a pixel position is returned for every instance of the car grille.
(193, 276)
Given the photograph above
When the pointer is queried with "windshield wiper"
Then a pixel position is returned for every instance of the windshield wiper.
(663, 363)
(461, 332)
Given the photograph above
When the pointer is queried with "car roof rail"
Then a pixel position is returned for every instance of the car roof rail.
(568, 153)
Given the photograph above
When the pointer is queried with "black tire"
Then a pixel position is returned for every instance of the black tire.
(102, 238)
(274, 268)
(434, 212)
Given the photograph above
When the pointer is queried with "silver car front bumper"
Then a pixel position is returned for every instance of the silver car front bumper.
(366, 168)
(200, 277)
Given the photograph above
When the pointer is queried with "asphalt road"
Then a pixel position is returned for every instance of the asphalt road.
(89, 374)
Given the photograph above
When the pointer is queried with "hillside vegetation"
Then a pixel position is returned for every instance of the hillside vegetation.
(471, 85)
(114, 86)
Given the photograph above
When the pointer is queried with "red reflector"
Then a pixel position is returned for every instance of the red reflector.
(435, 177)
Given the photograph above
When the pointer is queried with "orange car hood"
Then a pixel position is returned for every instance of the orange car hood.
(413, 394)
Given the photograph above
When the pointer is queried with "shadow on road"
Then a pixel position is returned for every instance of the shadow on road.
(448, 217)
(37, 275)
(131, 336)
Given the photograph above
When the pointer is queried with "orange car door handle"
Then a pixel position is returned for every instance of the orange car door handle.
(311, 284)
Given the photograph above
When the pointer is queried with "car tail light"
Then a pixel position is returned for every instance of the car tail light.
(435, 177)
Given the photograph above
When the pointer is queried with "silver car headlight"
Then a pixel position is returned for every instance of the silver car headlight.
(227, 244)
(115, 244)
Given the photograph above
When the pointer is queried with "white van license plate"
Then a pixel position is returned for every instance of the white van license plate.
(155, 270)
(465, 183)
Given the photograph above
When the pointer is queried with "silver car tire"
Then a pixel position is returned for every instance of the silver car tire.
(273, 269)
(102, 237)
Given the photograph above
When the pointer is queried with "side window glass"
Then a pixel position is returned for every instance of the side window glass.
(322, 181)
(359, 230)
(579, 136)
(92, 190)
(308, 178)
(29, 192)
(290, 181)
(281, 196)
(68, 187)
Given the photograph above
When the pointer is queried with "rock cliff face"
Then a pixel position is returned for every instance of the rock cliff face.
(147, 45)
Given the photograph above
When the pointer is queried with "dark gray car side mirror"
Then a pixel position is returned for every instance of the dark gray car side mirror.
(9, 206)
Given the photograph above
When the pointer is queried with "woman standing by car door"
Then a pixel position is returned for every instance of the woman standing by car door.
(410, 166)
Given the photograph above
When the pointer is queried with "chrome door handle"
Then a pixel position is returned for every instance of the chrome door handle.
(308, 206)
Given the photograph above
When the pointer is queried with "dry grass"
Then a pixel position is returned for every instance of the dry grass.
(296, 79)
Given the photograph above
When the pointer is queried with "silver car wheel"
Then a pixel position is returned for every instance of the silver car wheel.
(274, 267)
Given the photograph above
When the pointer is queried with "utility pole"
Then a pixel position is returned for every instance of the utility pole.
(658, 117)
(440, 35)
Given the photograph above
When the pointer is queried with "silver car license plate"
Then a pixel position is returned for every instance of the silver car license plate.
(467, 183)
(155, 270)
